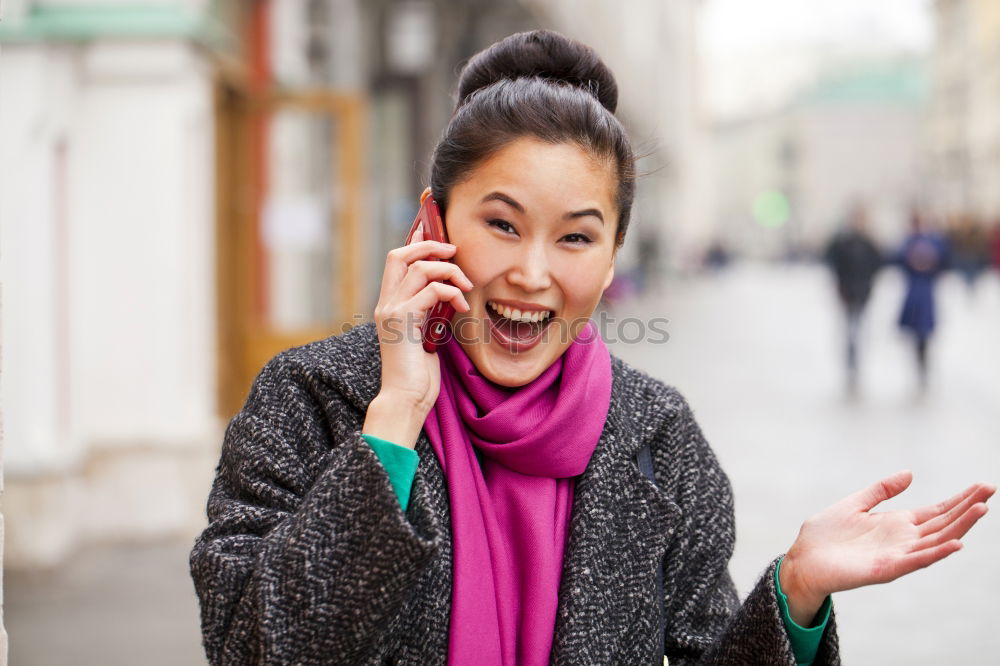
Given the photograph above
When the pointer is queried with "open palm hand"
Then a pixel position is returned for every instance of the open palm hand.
(848, 545)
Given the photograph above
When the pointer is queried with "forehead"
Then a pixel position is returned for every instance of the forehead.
(538, 169)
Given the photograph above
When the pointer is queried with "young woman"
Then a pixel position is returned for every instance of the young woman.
(376, 503)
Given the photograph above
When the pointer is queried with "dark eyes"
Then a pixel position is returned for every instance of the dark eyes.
(502, 225)
(508, 228)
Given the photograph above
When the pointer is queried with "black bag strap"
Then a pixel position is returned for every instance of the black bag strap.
(645, 460)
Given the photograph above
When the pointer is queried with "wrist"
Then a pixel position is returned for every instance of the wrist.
(395, 419)
(804, 599)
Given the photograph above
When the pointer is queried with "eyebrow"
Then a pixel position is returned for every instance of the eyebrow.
(500, 196)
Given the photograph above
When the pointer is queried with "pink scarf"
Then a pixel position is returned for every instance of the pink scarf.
(509, 519)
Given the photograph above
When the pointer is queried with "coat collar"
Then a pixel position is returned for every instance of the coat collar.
(352, 364)
(620, 527)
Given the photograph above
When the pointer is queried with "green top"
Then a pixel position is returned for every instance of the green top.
(805, 641)
(401, 462)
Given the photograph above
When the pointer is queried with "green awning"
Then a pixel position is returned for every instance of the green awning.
(82, 22)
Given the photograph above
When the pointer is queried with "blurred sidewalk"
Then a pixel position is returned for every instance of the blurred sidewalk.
(110, 606)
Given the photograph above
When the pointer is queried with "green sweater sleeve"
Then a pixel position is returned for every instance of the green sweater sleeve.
(805, 642)
(400, 462)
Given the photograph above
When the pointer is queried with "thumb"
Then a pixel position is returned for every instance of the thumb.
(880, 491)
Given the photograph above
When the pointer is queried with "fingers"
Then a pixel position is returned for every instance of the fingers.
(933, 517)
(398, 260)
(921, 559)
(420, 272)
(436, 292)
(978, 496)
(925, 513)
(955, 529)
(880, 491)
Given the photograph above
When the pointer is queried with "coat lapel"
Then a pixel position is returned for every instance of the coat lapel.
(619, 531)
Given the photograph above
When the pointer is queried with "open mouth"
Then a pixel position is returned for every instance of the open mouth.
(516, 330)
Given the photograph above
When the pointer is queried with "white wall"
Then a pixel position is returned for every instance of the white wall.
(108, 320)
(30, 127)
(141, 239)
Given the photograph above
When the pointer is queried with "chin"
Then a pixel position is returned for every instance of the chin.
(510, 370)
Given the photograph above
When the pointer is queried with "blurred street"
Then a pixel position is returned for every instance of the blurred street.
(756, 350)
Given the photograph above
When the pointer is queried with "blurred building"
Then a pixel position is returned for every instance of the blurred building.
(784, 180)
(652, 49)
(964, 123)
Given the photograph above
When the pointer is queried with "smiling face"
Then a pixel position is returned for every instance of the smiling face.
(535, 229)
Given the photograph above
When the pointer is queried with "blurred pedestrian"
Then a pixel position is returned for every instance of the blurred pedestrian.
(717, 256)
(649, 259)
(855, 259)
(922, 257)
(970, 251)
(995, 245)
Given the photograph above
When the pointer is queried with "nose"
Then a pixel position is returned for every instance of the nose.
(530, 271)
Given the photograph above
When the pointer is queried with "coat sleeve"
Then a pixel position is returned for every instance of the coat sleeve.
(308, 554)
(705, 622)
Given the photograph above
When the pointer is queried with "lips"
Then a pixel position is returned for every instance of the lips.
(517, 336)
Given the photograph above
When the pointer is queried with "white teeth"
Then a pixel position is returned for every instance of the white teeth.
(518, 315)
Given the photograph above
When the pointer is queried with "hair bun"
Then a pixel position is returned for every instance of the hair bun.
(545, 54)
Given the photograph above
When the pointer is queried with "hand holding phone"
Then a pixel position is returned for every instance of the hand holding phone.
(419, 284)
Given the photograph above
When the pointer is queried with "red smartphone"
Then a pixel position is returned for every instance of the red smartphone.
(436, 326)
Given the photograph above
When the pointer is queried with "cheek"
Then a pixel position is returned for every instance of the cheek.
(583, 280)
(470, 253)
(484, 259)
(478, 263)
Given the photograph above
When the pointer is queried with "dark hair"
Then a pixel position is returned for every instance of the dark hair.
(537, 84)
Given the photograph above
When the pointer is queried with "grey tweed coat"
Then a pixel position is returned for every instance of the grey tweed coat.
(309, 559)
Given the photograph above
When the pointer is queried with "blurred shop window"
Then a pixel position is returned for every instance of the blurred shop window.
(290, 149)
(299, 220)
(410, 37)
